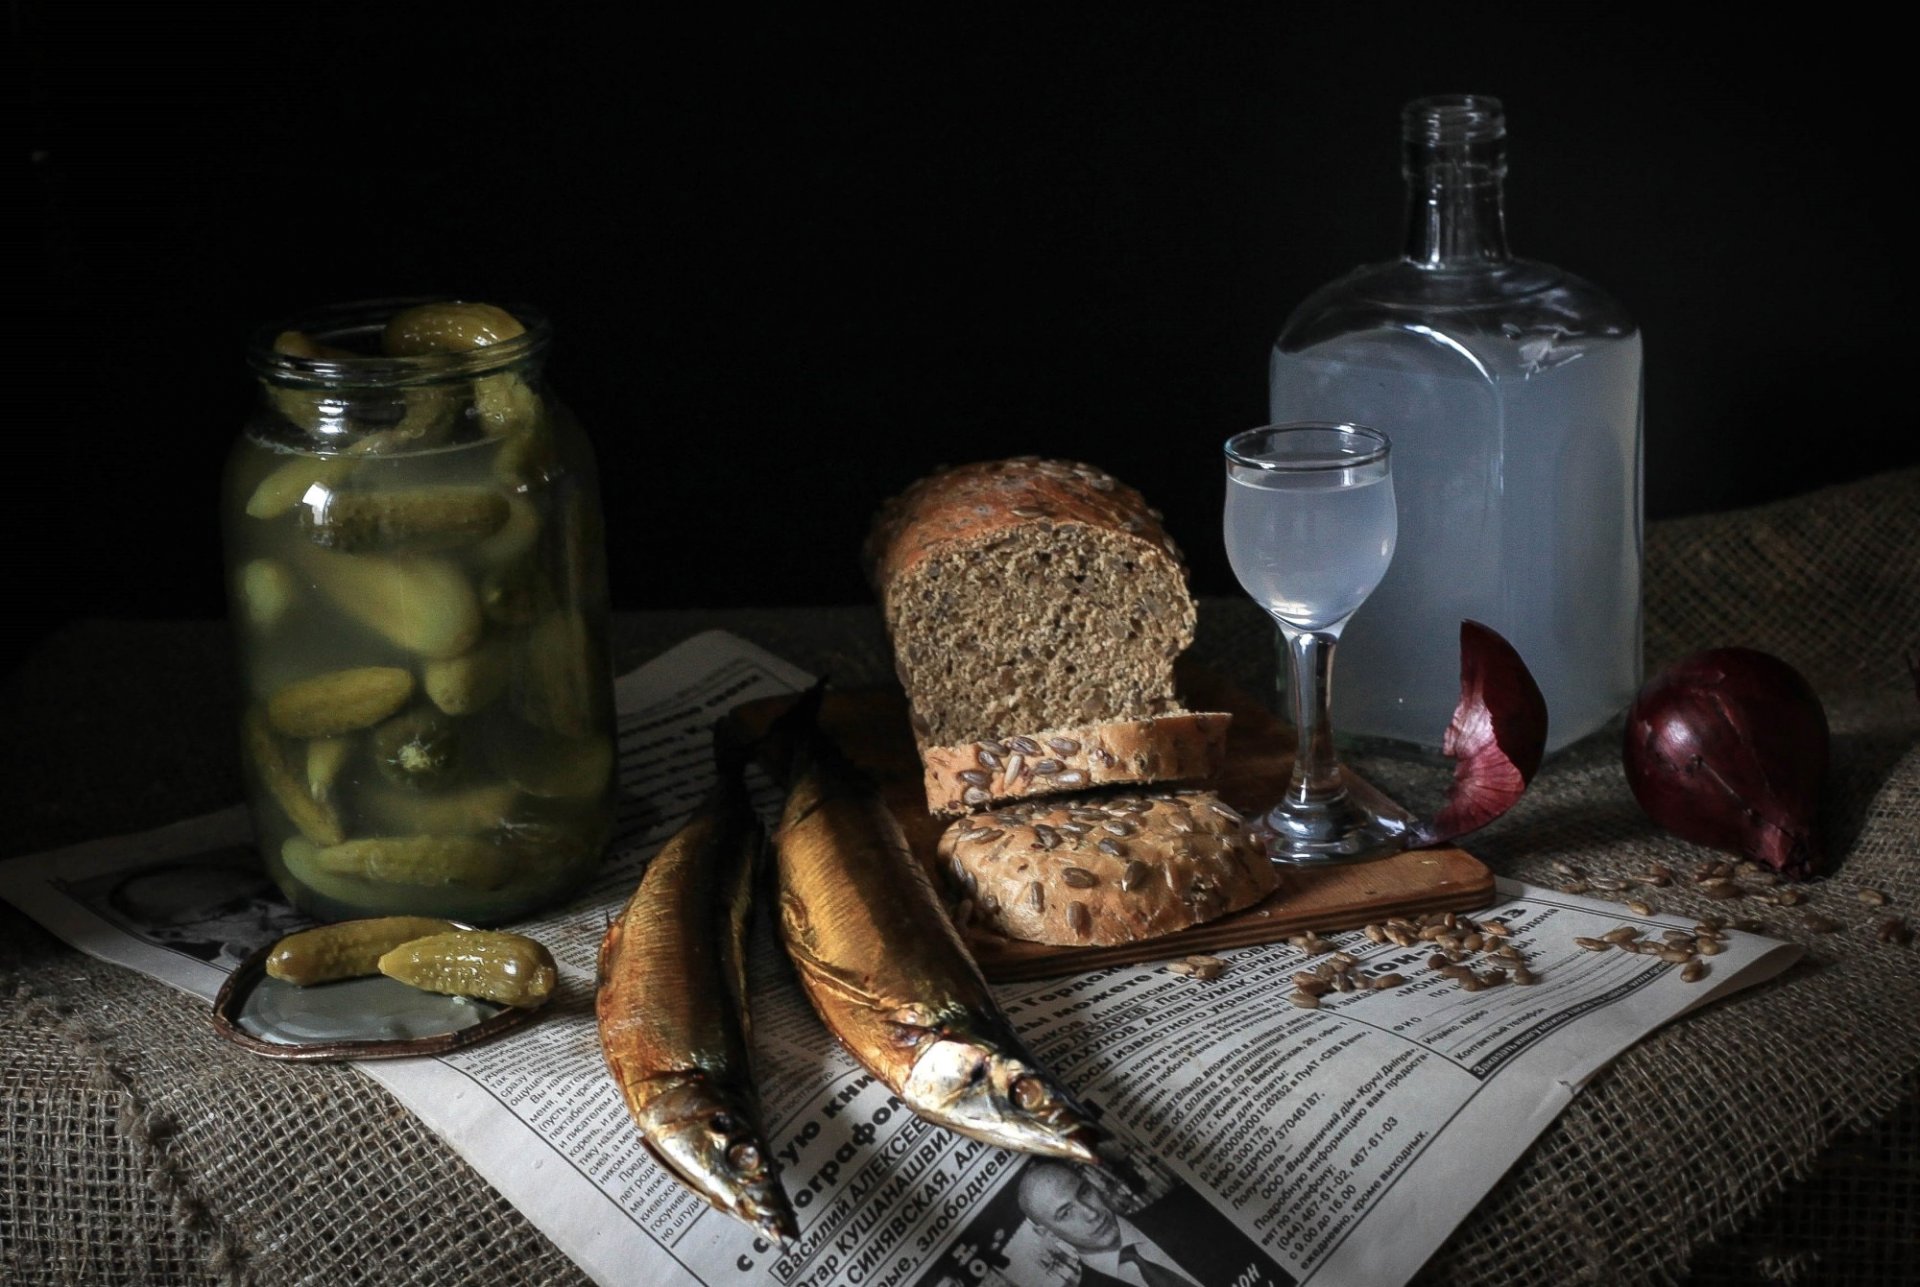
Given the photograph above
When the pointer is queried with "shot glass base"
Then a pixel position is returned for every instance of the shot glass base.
(1346, 829)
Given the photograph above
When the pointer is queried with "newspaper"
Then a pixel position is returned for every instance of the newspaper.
(1279, 1145)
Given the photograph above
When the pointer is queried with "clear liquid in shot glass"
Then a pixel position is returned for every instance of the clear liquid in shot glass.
(1310, 546)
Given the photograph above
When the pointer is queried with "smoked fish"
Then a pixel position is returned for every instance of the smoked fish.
(884, 967)
(672, 1009)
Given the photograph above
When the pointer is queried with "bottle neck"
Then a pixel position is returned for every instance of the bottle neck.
(1452, 224)
(1455, 163)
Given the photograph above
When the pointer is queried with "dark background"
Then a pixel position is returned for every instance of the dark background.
(797, 259)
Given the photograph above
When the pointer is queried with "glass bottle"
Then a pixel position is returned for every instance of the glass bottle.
(418, 586)
(1511, 391)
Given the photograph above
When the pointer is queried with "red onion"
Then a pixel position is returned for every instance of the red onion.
(1728, 748)
(1497, 737)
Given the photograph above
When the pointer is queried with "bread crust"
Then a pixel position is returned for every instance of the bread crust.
(1104, 870)
(968, 501)
(1176, 747)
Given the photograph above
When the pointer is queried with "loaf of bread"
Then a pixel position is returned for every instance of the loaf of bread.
(1177, 747)
(1028, 594)
(1107, 869)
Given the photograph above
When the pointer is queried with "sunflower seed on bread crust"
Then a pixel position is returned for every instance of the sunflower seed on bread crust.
(1175, 747)
(1182, 863)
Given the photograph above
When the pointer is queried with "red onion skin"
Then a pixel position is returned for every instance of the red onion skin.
(1497, 737)
(1728, 749)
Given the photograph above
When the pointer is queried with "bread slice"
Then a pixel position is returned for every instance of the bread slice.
(1028, 594)
(1105, 869)
(1179, 746)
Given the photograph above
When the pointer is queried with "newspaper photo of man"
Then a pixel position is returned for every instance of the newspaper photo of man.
(217, 906)
(1175, 1240)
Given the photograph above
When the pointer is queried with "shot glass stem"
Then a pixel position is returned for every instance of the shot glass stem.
(1317, 778)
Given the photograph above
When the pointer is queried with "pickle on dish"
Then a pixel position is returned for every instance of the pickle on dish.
(415, 520)
(423, 605)
(317, 820)
(348, 950)
(339, 701)
(467, 683)
(507, 969)
(467, 861)
(418, 749)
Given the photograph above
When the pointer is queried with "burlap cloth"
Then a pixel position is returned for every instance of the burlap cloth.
(138, 1148)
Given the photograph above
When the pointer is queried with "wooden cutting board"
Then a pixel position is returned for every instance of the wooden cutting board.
(870, 725)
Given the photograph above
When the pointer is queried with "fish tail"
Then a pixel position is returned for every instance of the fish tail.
(793, 746)
(732, 749)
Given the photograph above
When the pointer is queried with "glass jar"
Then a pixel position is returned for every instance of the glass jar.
(417, 573)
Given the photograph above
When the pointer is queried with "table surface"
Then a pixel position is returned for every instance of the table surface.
(133, 1145)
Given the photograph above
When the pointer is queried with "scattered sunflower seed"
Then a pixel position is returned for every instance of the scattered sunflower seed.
(1207, 967)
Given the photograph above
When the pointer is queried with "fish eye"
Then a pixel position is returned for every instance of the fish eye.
(1030, 1093)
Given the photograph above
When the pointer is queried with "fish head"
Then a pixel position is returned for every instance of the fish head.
(712, 1145)
(981, 1089)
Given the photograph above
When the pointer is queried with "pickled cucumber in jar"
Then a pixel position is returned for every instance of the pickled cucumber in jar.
(421, 625)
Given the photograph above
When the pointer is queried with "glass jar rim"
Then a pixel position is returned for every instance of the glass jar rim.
(376, 370)
(1376, 446)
